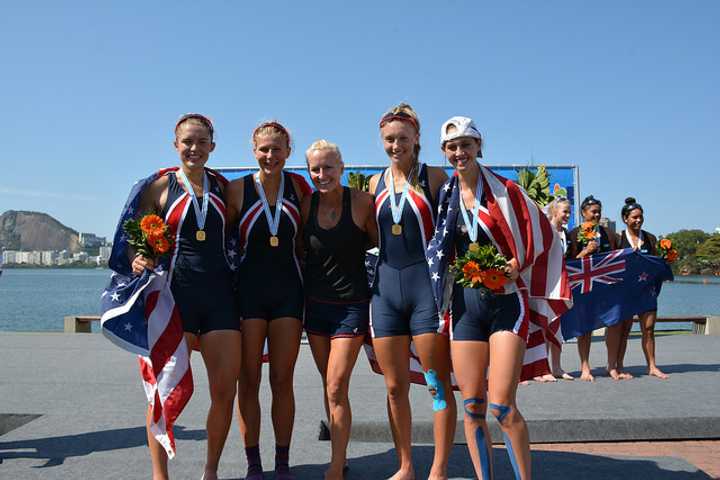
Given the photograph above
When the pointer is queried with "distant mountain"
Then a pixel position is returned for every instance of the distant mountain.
(21, 230)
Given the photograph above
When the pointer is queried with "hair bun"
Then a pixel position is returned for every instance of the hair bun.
(630, 201)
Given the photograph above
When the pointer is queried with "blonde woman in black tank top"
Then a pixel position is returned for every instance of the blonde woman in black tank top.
(339, 224)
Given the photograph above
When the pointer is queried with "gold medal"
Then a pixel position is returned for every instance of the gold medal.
(200, 235)
(397, 229)
(474, 247)
(274, 241)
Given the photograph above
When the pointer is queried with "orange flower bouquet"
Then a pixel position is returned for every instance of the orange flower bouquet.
(588, 232)
(149, 235)
(666, 251)
(481, 268)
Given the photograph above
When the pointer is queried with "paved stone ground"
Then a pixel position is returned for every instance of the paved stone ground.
(704, 454)
(91, 406)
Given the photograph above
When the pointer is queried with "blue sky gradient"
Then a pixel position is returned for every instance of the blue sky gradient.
(628, 91)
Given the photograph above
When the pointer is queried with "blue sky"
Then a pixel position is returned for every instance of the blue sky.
(628, 91)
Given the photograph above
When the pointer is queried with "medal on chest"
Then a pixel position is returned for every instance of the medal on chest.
(397, 208)
(272, 220)
(200, 211)
(472, 226)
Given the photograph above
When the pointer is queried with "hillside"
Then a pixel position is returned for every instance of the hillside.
(22, 230)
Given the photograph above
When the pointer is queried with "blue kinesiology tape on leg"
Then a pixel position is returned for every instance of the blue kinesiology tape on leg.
(479, 435)
(470, 413)
(484, 454)
(511, 454)
(436, 390)
(502, 411)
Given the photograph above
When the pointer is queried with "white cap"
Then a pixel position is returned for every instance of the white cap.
(464, 127)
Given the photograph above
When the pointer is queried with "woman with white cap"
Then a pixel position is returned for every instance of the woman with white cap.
(489, 331)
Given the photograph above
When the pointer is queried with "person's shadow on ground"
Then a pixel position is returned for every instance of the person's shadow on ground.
(55, 450)
(550, 465)
(545, 465)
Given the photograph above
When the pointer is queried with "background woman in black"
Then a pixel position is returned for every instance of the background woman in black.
(638, 239)
(339, 223)
(591, 209)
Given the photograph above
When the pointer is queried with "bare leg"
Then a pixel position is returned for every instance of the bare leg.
(158, 456)
(557, 370)
(343, 355)
(583, 343)
(284, 345)
(393, 355)
(157, 453)
(506, 353)
(253, 340)
(470, 360)
(320, 348)
(613, 337)
(221, 351)
(625, 335)
(434, 352)
(647, 325)
(627, 327)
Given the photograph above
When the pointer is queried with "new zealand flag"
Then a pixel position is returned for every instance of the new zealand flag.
(611, 287)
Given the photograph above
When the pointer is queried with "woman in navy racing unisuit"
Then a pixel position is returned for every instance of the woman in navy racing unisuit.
(191, 199)
(402, 307)
(265, 206)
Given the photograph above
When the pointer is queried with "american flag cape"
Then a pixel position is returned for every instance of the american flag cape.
(140, 316)
(518, 228)
(611, 287)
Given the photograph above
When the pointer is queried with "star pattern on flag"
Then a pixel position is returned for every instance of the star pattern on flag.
(643, 277)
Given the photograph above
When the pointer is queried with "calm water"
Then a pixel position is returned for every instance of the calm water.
(37, 300)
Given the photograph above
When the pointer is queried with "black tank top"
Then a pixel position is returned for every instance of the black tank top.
(400, 251)
(335, 261)
(647, 247)
(259, 259)
(192, 255)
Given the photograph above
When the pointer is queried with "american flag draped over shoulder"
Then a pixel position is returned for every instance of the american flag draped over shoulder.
(140, 316)
(520, 230)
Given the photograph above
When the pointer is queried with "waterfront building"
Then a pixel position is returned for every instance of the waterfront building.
(609, 224)
(104, 253)
(9, 256)
(90, 240)
(80, 257)
(49, 257)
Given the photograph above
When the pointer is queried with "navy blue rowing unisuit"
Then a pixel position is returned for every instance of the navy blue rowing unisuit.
(475, 315)
(270, 278)
(402, 301)
(201, 277)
